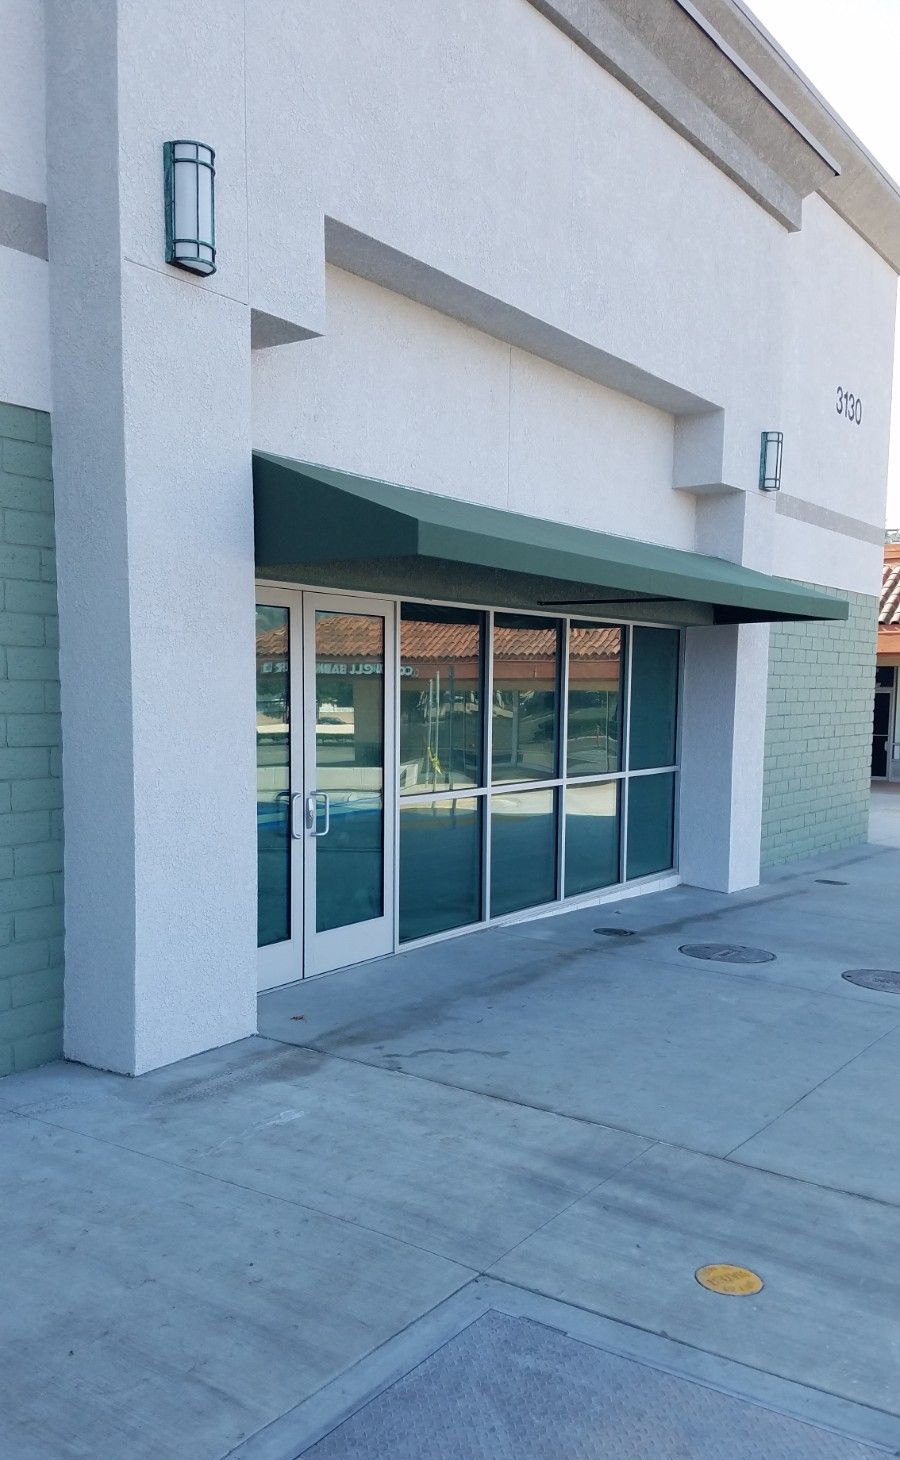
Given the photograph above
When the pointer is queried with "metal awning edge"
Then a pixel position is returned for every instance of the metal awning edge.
(362, 517)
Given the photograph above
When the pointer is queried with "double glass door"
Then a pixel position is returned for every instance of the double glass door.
(324, 726)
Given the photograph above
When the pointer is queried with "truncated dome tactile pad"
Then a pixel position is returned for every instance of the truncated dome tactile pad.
(512, 1389)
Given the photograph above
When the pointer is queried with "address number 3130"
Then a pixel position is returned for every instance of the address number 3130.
(849, 405)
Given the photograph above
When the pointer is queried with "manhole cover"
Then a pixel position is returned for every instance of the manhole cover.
(736, 1282)
(831, 882)
(883, 980)
(615, 932)
(727, 953)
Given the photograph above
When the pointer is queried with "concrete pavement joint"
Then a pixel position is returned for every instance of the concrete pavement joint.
(293, 1433)
(811, 1091)
(685, 1343)
(652, 1141)
(470, 1090)
(279, 1439)
(251, 1190)
(638, 1155)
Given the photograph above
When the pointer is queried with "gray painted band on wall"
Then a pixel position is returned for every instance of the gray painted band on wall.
(23, 224)
(816, 516)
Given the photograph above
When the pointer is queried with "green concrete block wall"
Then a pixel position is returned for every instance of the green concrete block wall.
(819, 734)
(31, 834)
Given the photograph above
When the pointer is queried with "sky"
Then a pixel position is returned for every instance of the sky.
(851, 54)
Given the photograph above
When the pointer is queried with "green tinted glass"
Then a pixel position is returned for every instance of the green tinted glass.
(594, 720)
(440, 866)
(654, 697)
(273, 775)
(651, 818)
(349, 768)
(525, 706)
(523, 850)
(441, 728)
(592, 836)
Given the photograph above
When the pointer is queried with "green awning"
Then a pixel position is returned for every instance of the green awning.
(333, 529)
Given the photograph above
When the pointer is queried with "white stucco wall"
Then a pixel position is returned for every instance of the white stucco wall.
(585, 211)
(190, 553)
(537, 179)
(839, 307)
(497, 160)
(24, 330)
(23, 153)
(398, 391)
(840, 303)
(154, 524)
(24, 321)
(819, 555)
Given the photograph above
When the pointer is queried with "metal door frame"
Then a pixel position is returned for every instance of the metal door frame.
(281, 963)
(341, 947)
(889, 734)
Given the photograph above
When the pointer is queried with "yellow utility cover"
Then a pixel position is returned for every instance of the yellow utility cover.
(722, 1277)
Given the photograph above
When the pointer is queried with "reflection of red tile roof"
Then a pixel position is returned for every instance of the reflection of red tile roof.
(355, 637)
(595, 643)
(272, 645)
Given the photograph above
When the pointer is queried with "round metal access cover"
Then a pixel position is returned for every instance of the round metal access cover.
(724, 1277)
(727, 953)
(883, 980)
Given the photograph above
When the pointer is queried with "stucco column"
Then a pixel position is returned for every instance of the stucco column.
(723, 713)
(722, 739)
(152, 437)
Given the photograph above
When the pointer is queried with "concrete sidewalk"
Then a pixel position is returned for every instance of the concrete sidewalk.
(884, 819)
(546, 1122)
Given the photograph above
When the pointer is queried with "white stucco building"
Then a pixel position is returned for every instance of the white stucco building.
(505, 297)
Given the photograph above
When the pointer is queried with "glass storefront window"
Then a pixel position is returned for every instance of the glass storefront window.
(594, 731)
(440, 865)
(273, 774)
(525, 704)
(592, 836)
(654, 697)
(495, 816)
(523, 850)
(651, 824)
(441, 731)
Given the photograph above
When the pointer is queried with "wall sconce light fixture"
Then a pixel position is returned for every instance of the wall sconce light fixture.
(770, 461)
(190, 180)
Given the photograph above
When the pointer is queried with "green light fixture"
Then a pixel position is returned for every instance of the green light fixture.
(770, 461)
(190, 183)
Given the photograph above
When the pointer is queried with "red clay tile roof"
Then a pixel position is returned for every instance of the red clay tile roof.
(890, 595)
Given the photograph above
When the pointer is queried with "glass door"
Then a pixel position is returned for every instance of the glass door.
(881, 733)
(279, 829)
(348, 800)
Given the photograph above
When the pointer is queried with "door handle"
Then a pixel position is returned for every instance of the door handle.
(296, 833)
(312, 813)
